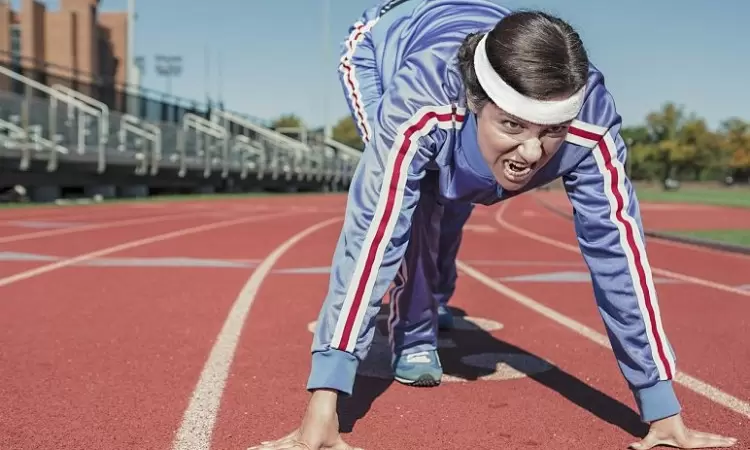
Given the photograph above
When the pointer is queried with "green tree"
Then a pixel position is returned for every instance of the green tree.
(700, 155)
(288, 121)
(345, 131)
(736, 142)
(643, 156)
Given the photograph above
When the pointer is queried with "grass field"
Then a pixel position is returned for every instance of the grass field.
(735, 197)
(737, 237)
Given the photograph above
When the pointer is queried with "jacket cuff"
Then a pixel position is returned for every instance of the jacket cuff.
(333, 369)
(657, 402)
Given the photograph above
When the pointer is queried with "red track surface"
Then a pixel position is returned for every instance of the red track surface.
(107, 357)
(676, 216)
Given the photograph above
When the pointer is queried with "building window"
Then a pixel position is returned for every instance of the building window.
(15, 44)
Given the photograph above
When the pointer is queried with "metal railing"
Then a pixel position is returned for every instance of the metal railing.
(347, 159)
(286, 154)
(26, 141)
(206, 132)
(252, 157)
(80, 129)
(104, 118)
(145, 156)
(79, 115)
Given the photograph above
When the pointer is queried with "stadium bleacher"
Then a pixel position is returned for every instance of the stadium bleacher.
(55, 139)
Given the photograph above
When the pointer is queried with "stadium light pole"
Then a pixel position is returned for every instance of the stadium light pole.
(327, 128)
(169, 66)
(130, 77)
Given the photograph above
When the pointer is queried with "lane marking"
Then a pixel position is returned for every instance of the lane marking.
(546, 205)
(572, 248)
(96, 226)
(131, 244)
(712, 393)
(79, 212)
(151, 261)
(479, 228)
(199, 418)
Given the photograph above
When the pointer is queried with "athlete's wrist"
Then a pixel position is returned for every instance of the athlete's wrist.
(657, 402)
(333, 370)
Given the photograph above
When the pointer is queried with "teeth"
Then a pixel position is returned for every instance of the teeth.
(515, 171)
(516, 167)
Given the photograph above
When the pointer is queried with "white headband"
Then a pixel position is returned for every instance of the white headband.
(541, 112)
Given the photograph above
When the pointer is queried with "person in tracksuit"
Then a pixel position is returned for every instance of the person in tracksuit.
(463, 102)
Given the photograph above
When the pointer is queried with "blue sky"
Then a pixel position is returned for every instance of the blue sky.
(273, 52)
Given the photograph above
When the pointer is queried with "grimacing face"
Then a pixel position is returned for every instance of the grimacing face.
(513, 148)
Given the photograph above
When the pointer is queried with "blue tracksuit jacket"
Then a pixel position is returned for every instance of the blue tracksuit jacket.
(399, 75)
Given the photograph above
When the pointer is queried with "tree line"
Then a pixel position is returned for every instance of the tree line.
(670, 144)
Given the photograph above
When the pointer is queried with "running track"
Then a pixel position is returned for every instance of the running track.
(185, 325)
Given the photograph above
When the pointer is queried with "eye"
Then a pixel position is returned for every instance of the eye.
(558, 129)
(511, 126)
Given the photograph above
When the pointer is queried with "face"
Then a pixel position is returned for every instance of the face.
(513, 148)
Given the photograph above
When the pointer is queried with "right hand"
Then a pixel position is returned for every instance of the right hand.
(319, 429)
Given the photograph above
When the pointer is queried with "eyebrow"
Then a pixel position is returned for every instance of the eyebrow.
(523, 121)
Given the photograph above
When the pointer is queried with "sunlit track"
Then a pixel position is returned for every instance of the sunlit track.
(501, 220)
(208, 322)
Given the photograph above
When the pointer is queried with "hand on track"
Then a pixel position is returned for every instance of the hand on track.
(672, 432)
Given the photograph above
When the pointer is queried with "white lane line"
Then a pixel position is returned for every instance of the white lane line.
(198, 421)
(712, 393)
(573, 248)
(131, 244)
(546, 205)
(96, 226)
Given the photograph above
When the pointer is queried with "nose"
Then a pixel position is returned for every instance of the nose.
(531, 150)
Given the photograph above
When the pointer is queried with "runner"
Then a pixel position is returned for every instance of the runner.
(464, 102)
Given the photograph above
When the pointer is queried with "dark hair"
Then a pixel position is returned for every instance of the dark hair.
(538, 55)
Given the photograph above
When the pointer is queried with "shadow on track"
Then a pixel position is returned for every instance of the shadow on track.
(475, 355)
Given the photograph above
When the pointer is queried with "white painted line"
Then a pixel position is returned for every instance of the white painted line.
(131, 244)
(103, 214)
(96, 226)
(198, 421)
(656, 240)
(698, 248)
(700, 387)
(573, 248)
(479, 228)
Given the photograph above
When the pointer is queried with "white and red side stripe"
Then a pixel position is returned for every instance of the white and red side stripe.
(351, 82)
(585, 134)
(384, 219)
(605, 153)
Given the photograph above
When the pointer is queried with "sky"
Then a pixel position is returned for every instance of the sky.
(278, 57)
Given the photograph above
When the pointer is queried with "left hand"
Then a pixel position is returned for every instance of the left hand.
(673, 432)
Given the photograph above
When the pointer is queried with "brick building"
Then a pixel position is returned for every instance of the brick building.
(76, 45)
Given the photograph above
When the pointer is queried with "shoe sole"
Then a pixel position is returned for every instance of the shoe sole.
(423, 381)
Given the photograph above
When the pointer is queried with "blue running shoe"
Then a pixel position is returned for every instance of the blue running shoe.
(421, 369)
(445, 318)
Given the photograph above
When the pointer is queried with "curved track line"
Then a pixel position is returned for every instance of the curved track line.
(198, 421)
(131, 244)
(667, 273)
(98, 226)
(712, 393)
(553, 211)
(111, 214)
